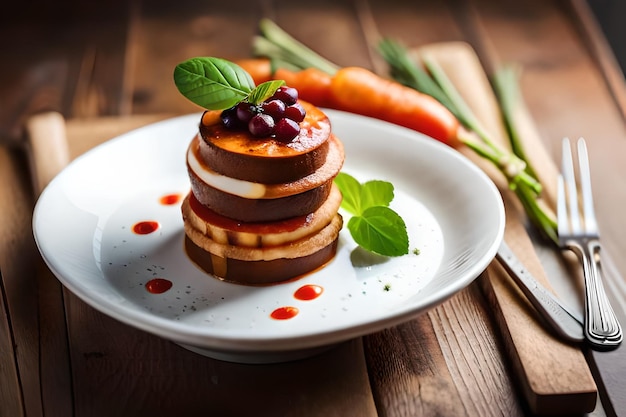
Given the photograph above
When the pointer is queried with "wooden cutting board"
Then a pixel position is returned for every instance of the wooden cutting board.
(553, 375)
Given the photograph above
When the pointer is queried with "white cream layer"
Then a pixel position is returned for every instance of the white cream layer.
(241, 188)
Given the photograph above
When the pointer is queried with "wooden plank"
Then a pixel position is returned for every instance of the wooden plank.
(533, 350)
(442, 375)
(424, 22)
(97, 83)
(67, 59)
(600, 50)
(17, 260)
(48, 155)
(167, 35)
(38, 81)
(339, 20)
(443, 363)
(35, 78)
(541, 388)
(550, 69)
(464, 328)
(12, 203)
(123, 371)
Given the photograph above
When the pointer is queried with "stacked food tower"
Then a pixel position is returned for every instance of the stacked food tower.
(263, 207)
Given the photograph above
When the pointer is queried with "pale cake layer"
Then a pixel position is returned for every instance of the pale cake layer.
(258, 234)
(255, 266)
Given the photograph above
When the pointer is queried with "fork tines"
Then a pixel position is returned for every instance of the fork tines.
(568, 204)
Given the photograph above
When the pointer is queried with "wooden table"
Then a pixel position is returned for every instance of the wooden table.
(107, 68)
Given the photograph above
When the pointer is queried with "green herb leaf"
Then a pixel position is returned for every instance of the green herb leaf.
(381, 230)
(351, 191)
(373, 225)
(264, 91)
(212, 83)
(376, 193)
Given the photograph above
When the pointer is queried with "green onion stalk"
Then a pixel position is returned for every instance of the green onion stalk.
(285, 51)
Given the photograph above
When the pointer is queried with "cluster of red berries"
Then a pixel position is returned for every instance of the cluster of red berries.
(278, 116)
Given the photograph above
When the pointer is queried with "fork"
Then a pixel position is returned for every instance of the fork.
(578, 232)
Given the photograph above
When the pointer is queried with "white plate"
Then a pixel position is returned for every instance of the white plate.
(83, 221)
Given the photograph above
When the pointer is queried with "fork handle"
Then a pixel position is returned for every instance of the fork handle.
(602, 329)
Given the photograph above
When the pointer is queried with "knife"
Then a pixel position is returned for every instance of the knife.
(562, 319)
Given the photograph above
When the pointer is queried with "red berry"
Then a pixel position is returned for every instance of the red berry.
(230, 119)
(287, 95)
(245, 111)
(286, 130)
(295, 112)
(261, 125)
(274, 108)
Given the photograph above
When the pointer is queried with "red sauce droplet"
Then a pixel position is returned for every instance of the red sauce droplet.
(284, 313)
(308, 292)
(144, 228)
(158, 285)
(170, 199)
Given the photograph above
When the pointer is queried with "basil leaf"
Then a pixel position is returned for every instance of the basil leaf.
(351, 191)
(376, 193)
(212, 83)
(381, 230)
(264, 91)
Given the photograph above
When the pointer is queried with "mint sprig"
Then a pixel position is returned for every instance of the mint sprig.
(218, 84)
(373, 225)
(264, 91)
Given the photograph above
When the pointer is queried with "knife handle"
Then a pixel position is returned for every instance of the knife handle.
(566, 323)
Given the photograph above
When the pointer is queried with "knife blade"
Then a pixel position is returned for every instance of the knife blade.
(564, 321)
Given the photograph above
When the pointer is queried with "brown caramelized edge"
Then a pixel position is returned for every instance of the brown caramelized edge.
(262, 272)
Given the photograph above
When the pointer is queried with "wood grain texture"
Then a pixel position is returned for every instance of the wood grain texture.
(533, 350)
(47, 149)
(444, 362)
(18, 257)
(114, 377)
(601, 52)
(565, 389)
(116, 58)
(591, 113)
(405, 365)
(13, 200)
(464, 328)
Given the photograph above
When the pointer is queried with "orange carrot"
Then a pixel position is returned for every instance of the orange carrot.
(360, 91)
(259, 69)
(357, 90)
(312, 84)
